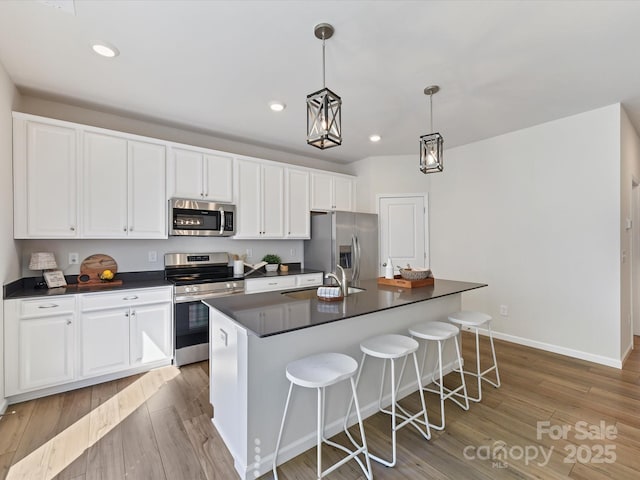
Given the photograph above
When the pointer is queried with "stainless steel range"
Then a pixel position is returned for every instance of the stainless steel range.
(197, 276)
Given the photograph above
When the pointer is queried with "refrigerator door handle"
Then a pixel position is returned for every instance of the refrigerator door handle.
(356, 263)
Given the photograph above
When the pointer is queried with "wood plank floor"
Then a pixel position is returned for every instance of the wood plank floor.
(157, 426)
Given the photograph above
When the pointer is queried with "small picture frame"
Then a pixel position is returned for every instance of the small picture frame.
(54, 279)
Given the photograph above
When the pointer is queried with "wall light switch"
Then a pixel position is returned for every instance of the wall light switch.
(153, 256)
(504, 310)
(74, 259)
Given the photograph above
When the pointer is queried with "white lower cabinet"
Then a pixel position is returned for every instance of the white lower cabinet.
(282, 282)
(39, 343)
(268, 284)
(104, 341)
(151, 333)
(72, 339)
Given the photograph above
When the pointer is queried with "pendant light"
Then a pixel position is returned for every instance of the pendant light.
(431, 144)
(324, 108)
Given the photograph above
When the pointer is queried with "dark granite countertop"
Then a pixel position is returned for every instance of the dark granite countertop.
(25, 287)
(249, 310)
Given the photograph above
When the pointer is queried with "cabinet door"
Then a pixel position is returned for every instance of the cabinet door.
(297, 216)
(272, 201)
(46, 182)
(186, 174)
(46, 351)
(343, 194)
(104, 192)
(248, 199)
(321, 191)
(147, 199)
(104, 341)
(218, 178)
(151, 333)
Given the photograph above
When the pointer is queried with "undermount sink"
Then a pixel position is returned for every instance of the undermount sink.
(313, 293)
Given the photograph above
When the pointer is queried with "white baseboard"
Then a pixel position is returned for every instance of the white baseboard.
(548, 347)
(3, 406)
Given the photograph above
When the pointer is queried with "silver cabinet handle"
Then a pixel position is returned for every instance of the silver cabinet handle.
(126, 314)
(131, 229)
(124, 229)
(51, 305)
(73, 229)
(68, 322)
(132, 297)
(133, 313)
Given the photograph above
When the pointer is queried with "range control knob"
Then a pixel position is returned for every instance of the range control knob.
(187, 289)
(194, 289)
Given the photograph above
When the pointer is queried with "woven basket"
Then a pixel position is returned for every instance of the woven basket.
(414, 274)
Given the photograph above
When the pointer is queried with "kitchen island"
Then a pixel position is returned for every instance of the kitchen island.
(253, 337)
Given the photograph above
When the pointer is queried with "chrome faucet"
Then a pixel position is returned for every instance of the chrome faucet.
(342, 282)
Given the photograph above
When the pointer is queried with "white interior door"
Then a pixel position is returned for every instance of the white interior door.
(403, 230)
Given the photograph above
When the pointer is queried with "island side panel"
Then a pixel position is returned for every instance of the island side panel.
(228, 384)
(267, 384)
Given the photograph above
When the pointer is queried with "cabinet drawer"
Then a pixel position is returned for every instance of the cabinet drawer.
(309, 280)
(256, 285)
(46, 307)
(123, 298)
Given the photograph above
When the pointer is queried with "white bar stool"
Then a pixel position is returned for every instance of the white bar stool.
(321, 371)
(441, 332)
(391, 347)
(476, 320)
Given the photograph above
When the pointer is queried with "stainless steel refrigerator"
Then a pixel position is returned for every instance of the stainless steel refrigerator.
(345, 238)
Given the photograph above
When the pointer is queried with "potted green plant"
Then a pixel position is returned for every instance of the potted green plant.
(273, 261)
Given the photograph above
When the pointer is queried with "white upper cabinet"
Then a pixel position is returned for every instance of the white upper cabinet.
(45, 171)
(259, 190)
(297, 216)
(200, 175)
(332, 192)
(104, 186)
(147, 186)
(123, 192)
(123, 188)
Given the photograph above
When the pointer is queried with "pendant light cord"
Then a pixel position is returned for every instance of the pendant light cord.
(431, 110)
(324, 82)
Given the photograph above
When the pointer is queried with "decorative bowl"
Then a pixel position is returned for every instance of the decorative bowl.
(414, 274)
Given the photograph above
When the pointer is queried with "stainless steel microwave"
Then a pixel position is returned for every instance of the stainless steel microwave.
(205, 219)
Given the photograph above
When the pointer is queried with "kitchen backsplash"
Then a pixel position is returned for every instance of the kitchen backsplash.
(134, 255)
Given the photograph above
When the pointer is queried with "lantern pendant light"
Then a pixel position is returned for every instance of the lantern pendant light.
(432, 143)
(324, 107)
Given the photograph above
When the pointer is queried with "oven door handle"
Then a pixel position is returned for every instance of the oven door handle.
(222, 220)
(197, 298)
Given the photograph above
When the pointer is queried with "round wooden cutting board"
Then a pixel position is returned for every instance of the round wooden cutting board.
(92, 266)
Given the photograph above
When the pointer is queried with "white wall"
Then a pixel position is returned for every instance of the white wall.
(630, 172)
(9, 265)
(132, 255)
(535, 214)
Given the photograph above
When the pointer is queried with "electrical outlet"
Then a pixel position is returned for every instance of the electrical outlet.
(504, 310)
(249, 253)
(292, 252)
(153, 256)
(74, 259)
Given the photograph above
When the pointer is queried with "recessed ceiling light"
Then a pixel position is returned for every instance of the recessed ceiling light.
(105, 50)
(375, 138)
(277, 106)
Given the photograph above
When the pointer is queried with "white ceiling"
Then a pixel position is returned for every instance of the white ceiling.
(214, 65)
